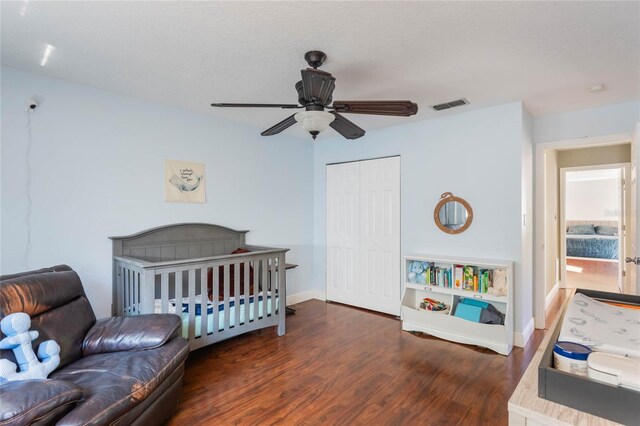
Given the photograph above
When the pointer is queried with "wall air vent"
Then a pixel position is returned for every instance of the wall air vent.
(452, 104)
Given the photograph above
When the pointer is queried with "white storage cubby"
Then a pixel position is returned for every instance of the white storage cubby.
(446, 325)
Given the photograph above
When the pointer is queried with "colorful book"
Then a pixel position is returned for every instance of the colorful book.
(458, 276)
(486, 281)
(468, 273)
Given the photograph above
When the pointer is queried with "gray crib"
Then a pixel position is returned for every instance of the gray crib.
(174, 268)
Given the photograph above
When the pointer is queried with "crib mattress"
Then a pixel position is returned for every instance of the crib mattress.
(602, 327)
(221, 315)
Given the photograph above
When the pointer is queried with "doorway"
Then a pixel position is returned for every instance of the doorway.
(593, 223)
(363, 234)
(549, 232)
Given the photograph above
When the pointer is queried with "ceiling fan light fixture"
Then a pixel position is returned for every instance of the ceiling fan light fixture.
(314, 122)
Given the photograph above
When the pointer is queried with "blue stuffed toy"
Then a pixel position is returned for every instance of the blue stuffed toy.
(16, 327)
(417, 272)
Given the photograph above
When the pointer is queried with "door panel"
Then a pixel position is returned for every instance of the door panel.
(343, 231)
(380, 234)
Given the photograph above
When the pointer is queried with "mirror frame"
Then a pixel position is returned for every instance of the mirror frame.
(445, 198)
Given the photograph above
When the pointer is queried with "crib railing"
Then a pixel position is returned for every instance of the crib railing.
(181, 287)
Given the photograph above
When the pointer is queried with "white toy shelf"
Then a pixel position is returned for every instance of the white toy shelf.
(445, 324)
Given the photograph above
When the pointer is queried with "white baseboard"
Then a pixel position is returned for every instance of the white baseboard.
(551, 295)
(292, 299)
(521, 339)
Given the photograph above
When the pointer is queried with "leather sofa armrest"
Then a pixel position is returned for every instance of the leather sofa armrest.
(27, 401)
(133, 333)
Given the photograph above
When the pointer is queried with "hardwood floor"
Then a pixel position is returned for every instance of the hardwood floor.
(341, 365)
(593, 275)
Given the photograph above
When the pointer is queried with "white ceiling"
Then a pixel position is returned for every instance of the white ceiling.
(189, 54)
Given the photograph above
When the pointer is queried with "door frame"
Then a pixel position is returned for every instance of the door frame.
(539, 261)
(622, 216)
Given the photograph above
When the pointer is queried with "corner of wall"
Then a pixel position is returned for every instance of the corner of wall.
(526, 270)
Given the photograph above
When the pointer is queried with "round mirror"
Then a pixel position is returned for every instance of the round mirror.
(453, 215)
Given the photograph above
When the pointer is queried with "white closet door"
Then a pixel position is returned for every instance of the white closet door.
(380, 235)
(363, 234)
(343, 231)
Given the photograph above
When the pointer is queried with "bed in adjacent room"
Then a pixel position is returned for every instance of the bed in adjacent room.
(595, 242)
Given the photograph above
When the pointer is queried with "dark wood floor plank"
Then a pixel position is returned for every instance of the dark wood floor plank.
(342, 365)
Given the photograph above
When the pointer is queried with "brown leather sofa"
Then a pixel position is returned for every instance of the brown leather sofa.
(115, 371)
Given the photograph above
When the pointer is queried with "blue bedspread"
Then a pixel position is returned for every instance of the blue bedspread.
(593, 247)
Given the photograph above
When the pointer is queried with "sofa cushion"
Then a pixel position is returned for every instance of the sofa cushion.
(114, 383)
(58, 307)
(38, 293)
(131, 333)
(26, 401)
(55, 268)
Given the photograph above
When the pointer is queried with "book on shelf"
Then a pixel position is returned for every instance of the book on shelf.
(441, 276)
(458, 276)
(462, 277)
(468, 277)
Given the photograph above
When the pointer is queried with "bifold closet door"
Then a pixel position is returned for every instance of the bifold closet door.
(363, 234)
(343, 232)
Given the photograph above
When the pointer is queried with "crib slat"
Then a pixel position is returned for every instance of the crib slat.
(261, 287)
(178, 279)
(226, 316)
(236, 291)
(204, 311)
(136, 292)
(282, 295)
(265, 285)
(119, 296)
(132, 299)
(129, 293)
(215, 285)
(246, 292)
(272, 283)
(125, 292)
(256, 289)
(192, 304)
(164, 292)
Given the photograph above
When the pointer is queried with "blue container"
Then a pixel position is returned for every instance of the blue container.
(572, 350)
(468, 312)
(571, 357)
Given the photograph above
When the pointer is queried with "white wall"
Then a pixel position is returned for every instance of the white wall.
(524, 294)
(98, 162)
(597, 200)
(476, 155)
(607, 120)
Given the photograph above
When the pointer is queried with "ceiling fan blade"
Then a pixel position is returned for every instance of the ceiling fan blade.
(345, 127)
(256, 105)
(399, 108)
(284, 124)
(317, 86)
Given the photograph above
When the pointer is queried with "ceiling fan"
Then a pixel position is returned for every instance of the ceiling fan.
(315, 92)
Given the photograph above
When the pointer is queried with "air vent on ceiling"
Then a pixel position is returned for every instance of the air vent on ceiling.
(451, 104)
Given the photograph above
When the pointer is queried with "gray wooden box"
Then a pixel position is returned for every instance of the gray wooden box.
(615, 403)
